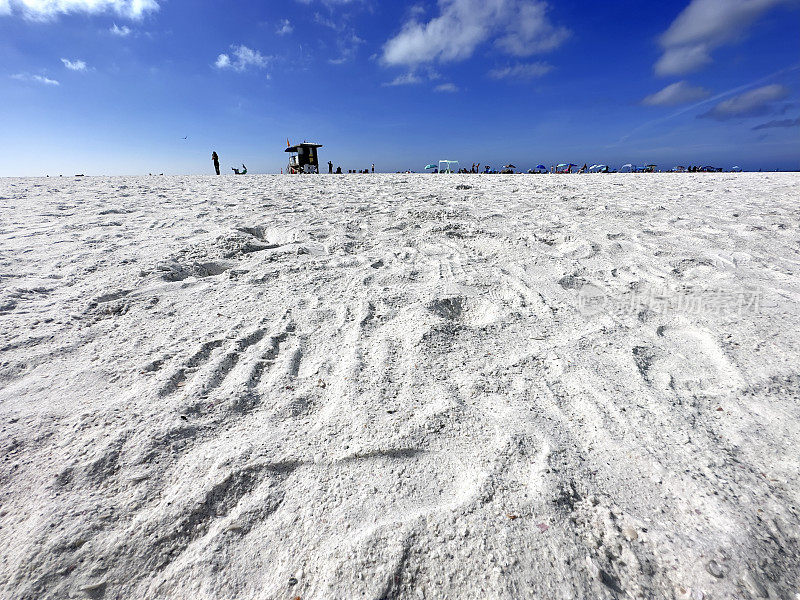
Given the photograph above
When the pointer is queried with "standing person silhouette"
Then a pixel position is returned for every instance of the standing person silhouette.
(330, 167)
(215, 158)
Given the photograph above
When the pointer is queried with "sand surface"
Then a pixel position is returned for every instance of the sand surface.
(400, 386)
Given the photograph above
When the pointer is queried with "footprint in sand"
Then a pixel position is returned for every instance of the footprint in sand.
(689, 361)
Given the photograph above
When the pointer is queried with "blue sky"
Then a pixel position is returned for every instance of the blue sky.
(113, 86)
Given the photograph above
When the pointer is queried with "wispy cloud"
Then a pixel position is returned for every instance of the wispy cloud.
(677, 93)
(784, 124)
(347, 45)
(449, 88)
(517, 27)
(347, 40)
(123, 31)
(43, 10)
(415, 10)
(74, 65)
(750, 104)
(716, 98)
(285, 27)
(521, 71)
(416, 76)
(703, 26)
(35, 79)
(330, 3)
(241, 58)
(406, 79)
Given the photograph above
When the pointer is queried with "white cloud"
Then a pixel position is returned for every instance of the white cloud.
(521, 71)
(683, 59)
(74, 65)
(35, 79)
(285, 27)
(750, 104)
(243, 58)
(530, 31)
(40, 10)
(123, 31)
(223, 61)
(677, 93)
(518, 27)
(450, 88)
(703, 26)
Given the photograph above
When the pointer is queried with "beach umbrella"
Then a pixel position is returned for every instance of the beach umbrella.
(510, 167)
(563, 165)
(541, 167)
(430, 166)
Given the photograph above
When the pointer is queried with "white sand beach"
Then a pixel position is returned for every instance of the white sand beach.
(400, 386)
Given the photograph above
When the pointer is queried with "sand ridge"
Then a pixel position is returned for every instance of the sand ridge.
(400, 386)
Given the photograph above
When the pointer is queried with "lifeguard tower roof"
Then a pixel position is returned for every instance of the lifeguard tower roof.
(303, 145)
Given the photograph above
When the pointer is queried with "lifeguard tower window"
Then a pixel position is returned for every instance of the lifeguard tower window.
(448, 166)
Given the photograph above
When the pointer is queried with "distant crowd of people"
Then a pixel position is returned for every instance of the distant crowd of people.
(350, 171)
(476, 168)
(508, 169)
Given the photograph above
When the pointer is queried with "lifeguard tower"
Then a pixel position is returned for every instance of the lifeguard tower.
(304, 158)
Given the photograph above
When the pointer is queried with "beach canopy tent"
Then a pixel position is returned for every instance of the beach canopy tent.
(598, 168)
(448, 166)
(629, 168)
